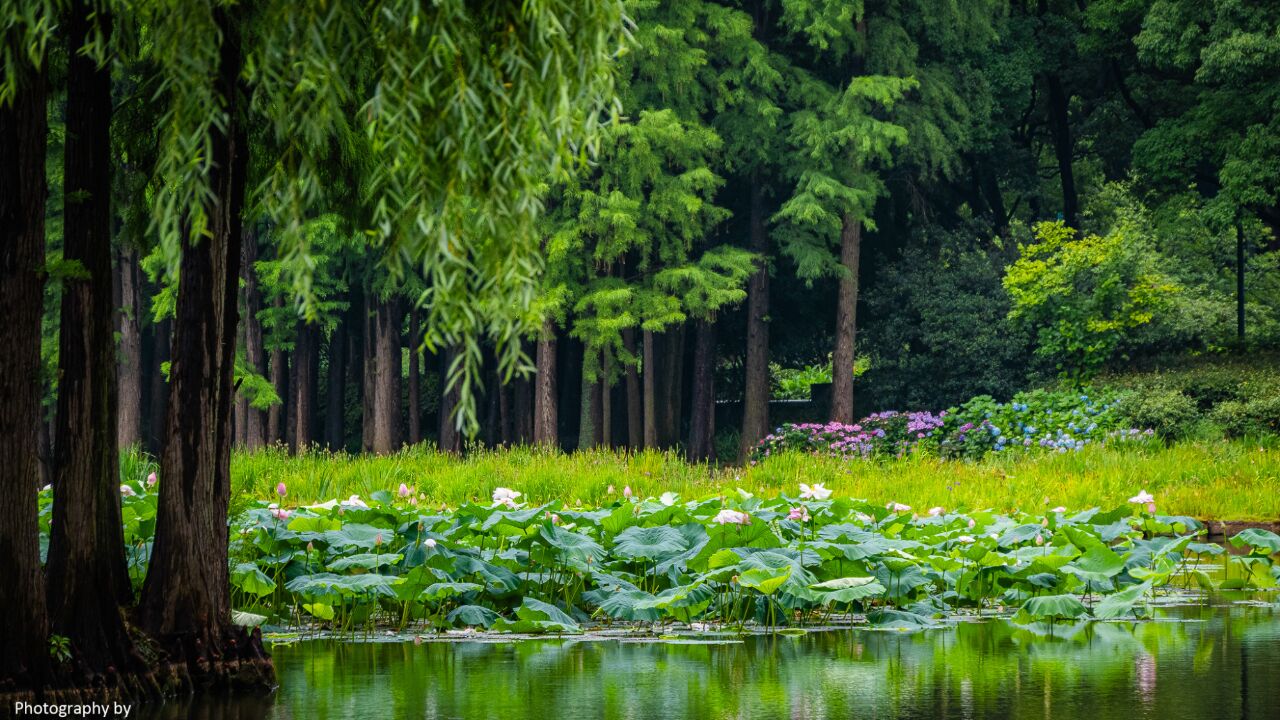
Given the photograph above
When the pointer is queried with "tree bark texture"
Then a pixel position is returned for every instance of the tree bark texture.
(387, 436)
(702, 402)
(255, 354)
(635, 405)
(88, 578)
(23, 618)
(305, 354)
(185, 599)
(415, 378)
(545, 416)
(129, 407)
(842, 358)
(450, 439)
(277, 415)
(755, 388)
(650, 372)
(335, 392)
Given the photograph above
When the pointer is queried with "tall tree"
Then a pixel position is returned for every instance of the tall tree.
(129, 327)
(23, 132)
(87, 576)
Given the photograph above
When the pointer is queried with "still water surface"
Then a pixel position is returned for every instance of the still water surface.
(1213, 663)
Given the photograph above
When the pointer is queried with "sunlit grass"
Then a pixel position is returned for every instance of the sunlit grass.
(1212, 480)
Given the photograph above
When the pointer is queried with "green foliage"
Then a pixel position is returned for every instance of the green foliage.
(1081, 295)
(1254, 417)
(1168, 412)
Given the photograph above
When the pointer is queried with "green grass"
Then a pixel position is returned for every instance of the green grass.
(1209, 480)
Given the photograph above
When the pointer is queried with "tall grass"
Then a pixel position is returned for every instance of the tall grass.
(1211, 480)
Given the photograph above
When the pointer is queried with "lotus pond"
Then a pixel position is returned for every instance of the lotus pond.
(716, 563)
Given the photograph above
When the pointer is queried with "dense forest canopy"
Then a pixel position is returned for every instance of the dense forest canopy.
(577, 223)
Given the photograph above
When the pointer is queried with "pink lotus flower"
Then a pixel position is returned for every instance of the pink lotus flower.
(936, 511)
(814, 492)
(1059, 509)
(1039, 539)
(281, 490)
(799, 514)
(280, 514)
(404, 490)
(898, 507)
(626, 492)
(732, 517)
(127, 491)
(151, 480)
(971, 523)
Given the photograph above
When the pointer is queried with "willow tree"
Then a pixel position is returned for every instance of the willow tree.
(470, 107)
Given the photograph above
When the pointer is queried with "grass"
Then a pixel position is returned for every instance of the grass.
(1210, 480)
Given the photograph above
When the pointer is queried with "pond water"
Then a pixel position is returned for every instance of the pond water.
(1194, 661)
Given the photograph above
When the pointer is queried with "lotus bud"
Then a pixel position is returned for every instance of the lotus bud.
(151, 480)
(610, 490)
(626, 492)
(311, 547)
(281, 490)
(377, 540)
(404, 490)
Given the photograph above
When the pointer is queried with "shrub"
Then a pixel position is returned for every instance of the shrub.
(1170, 413)
(1249, 418)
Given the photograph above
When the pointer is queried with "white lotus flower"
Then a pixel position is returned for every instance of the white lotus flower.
(127, 491)
(863, 517)
(966, 539)
(429, 542)
(505, 496)
(668, 498)
(732, 517)
(936, 511)
(1142, 498)
(898, 507)
(355, 502)
(814, 492)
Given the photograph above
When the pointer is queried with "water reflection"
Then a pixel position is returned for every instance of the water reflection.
(1192, 662)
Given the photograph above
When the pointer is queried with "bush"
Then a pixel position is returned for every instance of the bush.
(1249, 418)
(1170, 413)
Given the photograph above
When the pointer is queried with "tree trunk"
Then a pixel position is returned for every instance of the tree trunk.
(277, 415)
(1063, 148)
(23, 620)
(162, 341)
(589, 402)
(335, 393)
(606, 401)
(755, 389)
(545, 418)
(842, 358)
(702, 417)
(185, 599)
(670, 386)
(305, 350)
(369, 379)
(240, 410)
(635, 406)
(386, 427)
(253, 348)
(415, 378)
(522, 410)
(129, 408)
(450, 439)
(650, 370)
(88, 578)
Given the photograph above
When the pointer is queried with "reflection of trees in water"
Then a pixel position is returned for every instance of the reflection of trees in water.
(1096, 671)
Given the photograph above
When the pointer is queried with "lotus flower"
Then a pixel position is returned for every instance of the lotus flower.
(127, 491)
(355, 502)
(311, 547)
(814, 492)
(967, 539)
(1059, 509)
(936, 511)
(898, 507)
(626, 492)
(430, 542)
(668, 498)
(281, 490)
(151, 480)
(404, 490)
(1039, 539)
(377, 539)
(280, 514)
(1142, 498)
(732, 517)
(863, 517)
(799, 514)
(610, 490)
(505, 496)
(972, 523)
